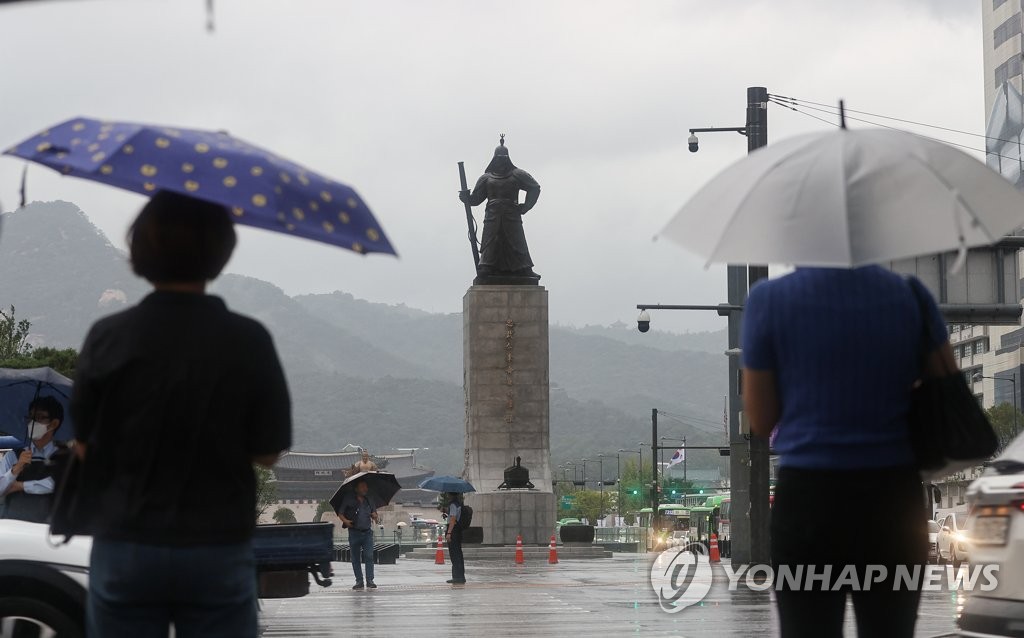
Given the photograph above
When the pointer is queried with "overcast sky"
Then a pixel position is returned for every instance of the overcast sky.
(595, 98)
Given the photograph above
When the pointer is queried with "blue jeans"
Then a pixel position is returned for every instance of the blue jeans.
(138, 591)
(360, 545)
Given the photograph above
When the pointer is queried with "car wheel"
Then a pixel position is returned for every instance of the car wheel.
(30, 618)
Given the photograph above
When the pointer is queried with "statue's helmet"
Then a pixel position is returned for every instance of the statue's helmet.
(500, 164)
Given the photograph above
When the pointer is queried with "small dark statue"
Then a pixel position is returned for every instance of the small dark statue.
(504, 256)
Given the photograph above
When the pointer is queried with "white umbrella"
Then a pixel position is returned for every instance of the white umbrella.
(847, 198)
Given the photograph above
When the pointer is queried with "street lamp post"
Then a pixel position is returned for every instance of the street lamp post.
(600, 480)
(618, 474)
(584, 474)
(749, 461)
(573, 466)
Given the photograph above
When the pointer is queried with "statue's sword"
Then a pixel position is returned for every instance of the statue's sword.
(469, 216)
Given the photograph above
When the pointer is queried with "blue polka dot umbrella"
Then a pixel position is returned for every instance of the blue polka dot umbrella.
(260, 188)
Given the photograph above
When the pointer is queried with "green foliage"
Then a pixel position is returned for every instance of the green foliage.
(322, 508)
(1002, 418)
(14, 336)
(266, 491)
(635, 486)
(284, 515)
(592, 504)
(62, 360)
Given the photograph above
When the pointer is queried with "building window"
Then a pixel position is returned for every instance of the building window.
(997, 3)
(1006, 30)
(955, 328)
(979, 347)
(956, 352)
(1006, 70)
(322, 472)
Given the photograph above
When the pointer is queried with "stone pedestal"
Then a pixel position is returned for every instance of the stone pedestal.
(505, 350)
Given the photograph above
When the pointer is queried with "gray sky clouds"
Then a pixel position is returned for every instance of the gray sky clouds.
(595, 98)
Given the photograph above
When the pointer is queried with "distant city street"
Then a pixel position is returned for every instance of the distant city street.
(610, 597)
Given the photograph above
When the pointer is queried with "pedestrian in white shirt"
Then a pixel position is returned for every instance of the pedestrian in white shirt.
(28, 476)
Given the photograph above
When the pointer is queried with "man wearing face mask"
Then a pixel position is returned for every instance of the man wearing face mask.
(29, 475)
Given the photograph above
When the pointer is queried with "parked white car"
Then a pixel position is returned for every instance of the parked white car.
(996, 530)
(42, 585)
(951, 540)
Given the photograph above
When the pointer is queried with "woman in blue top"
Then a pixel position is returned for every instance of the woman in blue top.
(830, 357)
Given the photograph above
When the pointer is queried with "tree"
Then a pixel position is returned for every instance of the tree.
(284, 515)
(13, 336)
(592, 504)
(635, 484)
(63, 361)
(322, 508)
(1002, 418)
(266, 490)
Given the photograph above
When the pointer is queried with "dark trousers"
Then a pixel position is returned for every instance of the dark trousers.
(360, 545)
(455, 552)
(816, 522)
(138, 591)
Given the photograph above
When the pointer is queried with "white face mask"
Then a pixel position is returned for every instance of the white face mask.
(37, 430)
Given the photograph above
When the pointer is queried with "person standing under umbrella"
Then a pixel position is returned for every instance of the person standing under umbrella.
(28, 475)
(454, 539)
(830, 358)
(174, 401)
(358, 514)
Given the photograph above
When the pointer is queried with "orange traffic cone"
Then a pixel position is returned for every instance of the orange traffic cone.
(439, 555)
(713, 550)
(552, 552)
(519, 550)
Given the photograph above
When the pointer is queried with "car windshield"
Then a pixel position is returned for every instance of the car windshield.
(933, 527)
(961, 521)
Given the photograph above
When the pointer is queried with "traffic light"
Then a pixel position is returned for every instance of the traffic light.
(673, 491)
(635, 492)
(701, 491)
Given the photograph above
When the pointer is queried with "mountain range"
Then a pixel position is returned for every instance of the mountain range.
(380, 375)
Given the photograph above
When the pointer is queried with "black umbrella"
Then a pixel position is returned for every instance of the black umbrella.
(382, 488)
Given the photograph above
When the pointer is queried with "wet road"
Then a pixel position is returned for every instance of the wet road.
(610, 597)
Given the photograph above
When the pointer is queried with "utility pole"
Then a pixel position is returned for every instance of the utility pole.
(760, 541)
(748, 460)
(655, 514)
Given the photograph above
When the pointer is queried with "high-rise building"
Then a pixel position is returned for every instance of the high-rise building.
(1001, 24)
(992, 355)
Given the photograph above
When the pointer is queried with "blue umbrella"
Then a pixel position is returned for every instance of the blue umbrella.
(260, 188)
(19, 387)
(447, 484)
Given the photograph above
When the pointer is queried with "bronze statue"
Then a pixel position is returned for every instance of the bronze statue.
(504, 257)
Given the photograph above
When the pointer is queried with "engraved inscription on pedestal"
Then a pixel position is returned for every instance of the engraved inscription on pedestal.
(507, 412)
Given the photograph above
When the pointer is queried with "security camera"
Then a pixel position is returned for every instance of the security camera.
(643, 322)
(692, 142)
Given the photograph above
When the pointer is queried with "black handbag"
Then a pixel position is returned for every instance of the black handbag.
(949, 431)
(73, 509)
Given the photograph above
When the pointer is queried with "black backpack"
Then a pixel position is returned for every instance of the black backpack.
(466, 517)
